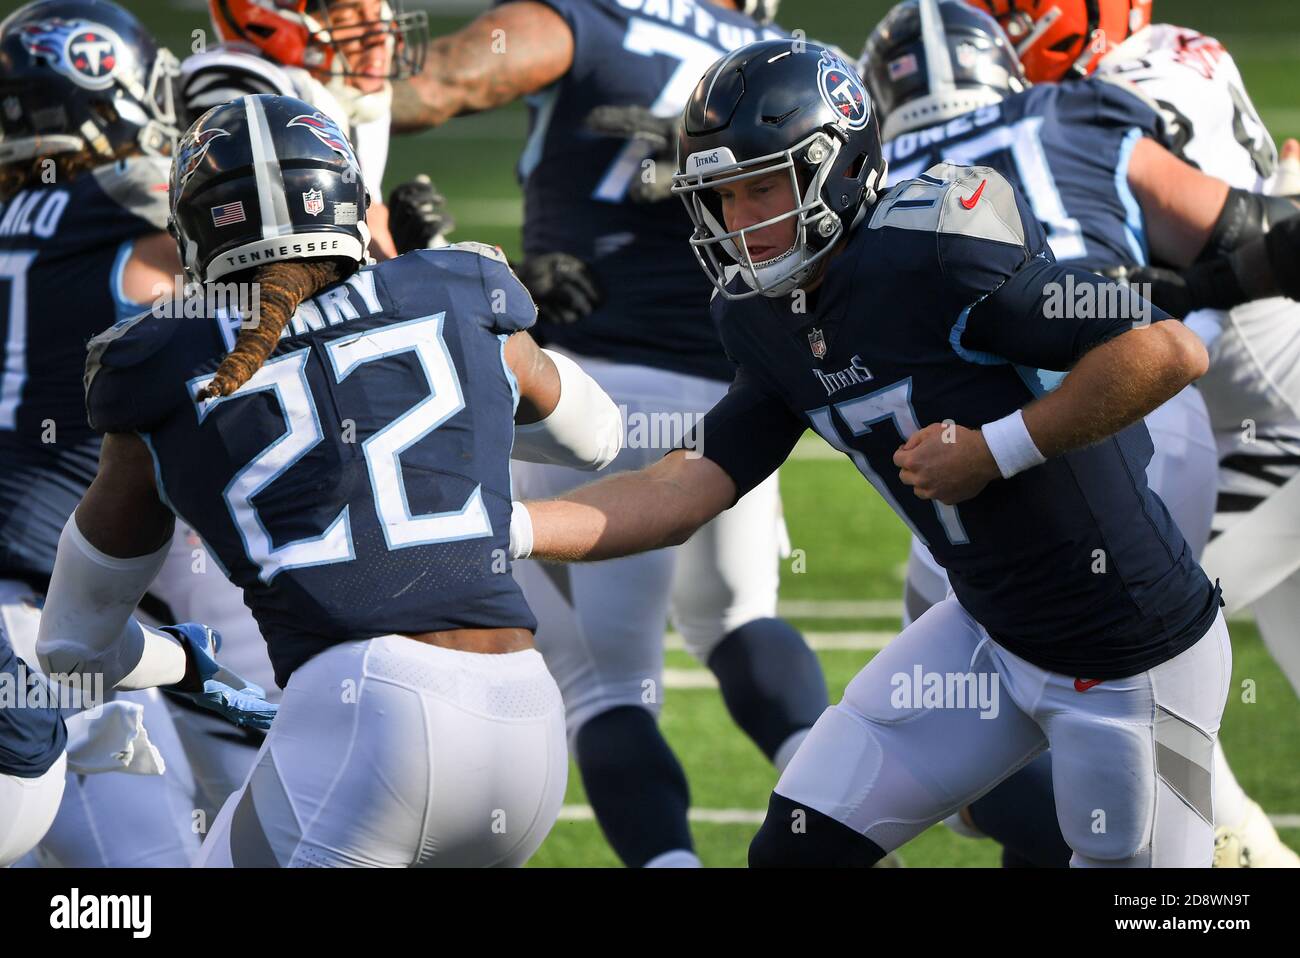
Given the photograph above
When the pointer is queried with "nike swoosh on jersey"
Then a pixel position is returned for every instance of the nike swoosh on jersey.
(975, 198)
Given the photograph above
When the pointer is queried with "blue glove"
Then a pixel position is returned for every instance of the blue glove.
(236, 700)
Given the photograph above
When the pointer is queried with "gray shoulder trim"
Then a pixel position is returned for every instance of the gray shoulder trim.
(936, 202)
(139, 186)
(482, 249)
(98, 345)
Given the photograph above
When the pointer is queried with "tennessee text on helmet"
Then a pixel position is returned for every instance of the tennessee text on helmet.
(264, 179)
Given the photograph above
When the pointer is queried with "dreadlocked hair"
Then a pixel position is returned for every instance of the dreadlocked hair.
(34, 172)
(281, 287)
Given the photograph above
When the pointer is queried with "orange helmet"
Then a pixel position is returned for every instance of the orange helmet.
(1057, 39)
(327, 36)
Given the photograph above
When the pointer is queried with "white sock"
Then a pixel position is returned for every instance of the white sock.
(1229, 800)
(786, 752)
(678, 858)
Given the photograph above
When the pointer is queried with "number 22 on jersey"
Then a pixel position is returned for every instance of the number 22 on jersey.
(286, 377)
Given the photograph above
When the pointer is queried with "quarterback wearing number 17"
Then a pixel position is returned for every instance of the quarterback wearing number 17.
(906, 327)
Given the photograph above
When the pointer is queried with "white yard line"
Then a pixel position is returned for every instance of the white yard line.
(746, 816)
(841, 608)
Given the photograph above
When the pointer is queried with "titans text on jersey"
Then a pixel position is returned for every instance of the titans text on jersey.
(934, 312)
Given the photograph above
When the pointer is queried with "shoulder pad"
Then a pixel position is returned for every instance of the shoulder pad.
(1118, 81)
(936, 202)
(128, 343)
(139, 186)
(482, 249)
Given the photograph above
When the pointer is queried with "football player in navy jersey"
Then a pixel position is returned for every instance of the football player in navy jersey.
(1089, 157)
(344, 452)
(33, 761)
(910, 328)
(619, 292)
(86, 137)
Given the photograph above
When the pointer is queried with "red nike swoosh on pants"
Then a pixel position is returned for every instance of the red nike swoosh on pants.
(1082, 685)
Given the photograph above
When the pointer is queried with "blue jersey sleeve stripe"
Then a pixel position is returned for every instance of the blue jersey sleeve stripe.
(124, 308)
(544, 106)
(971, 355)
(1134, 226)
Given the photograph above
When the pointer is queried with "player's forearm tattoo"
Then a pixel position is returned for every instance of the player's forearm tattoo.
(506, 53)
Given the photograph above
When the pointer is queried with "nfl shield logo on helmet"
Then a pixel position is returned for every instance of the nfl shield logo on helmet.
(843, 91)
(817, 343)
(313, 201)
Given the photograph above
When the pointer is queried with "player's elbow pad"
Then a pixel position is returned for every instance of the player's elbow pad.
(86, 625)
(583, 431)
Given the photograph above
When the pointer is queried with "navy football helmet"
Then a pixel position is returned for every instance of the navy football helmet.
(264, 179)
(769, 106)
(928, 61)
(83, 75)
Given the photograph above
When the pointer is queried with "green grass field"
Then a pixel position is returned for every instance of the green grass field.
(852, 547)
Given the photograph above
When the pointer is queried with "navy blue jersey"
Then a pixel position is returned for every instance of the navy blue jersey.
(936, 312)
(32, 737)
(648, 53)
(62, 252)
(1066, 147)
(359, 484)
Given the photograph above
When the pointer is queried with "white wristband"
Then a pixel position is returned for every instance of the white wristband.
(1012, 447)
(521, 531)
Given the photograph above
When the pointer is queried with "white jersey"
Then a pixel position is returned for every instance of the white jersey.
(1253, 387)
(1194, 80)
(227, 71)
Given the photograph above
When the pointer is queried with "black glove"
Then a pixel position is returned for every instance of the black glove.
(657, 133)
(418, 216)
(561, 286)
(1209, 285)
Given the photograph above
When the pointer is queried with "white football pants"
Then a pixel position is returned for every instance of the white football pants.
(114, 820)
(1132, 758)
(392, 753)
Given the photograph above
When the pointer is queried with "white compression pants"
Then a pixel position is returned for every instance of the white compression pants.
(115, 820)
(27, 809)
(391, 753)
(601, 624)
(1132, 758)
(1253, 393)
(1183, 472)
